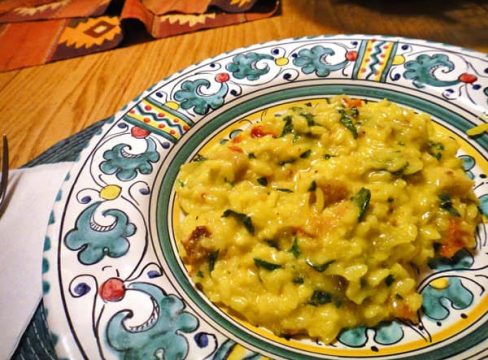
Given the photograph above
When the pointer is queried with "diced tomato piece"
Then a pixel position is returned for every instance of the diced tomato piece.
(259, 131)
(195, 251)
(455, 239)
(237, 139)
(235, 148)
(350, 103)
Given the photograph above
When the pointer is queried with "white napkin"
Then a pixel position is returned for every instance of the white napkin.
(23, 224)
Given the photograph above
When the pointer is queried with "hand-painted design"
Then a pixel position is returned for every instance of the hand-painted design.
(450, 289)
(421, 70)
(461, 260)
(315, 60)
(231, 350)
(468, 164)
(94, 241)
(126, 165)
(245, 66)
(163, 119)
(356, 337)
(191, 96)
(168, 320)
(374, 59)
(484, 204)
(387, 333)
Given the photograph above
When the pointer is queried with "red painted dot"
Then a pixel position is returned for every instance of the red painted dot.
(467, 78)
(351, 55)
(222, 77)
(147, 108)
(186, 127)
(161, 115)
(139, 133)
(112, 290)
(176, 121)
(132, 111)
(382, 56)
(363, 70)
(172, 132)
(161, 126)
(385, 47)
(376, 72)
(381, 63)
(146, 120)
(369, 49)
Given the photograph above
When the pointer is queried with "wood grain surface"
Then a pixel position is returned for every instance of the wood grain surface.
(41, 105)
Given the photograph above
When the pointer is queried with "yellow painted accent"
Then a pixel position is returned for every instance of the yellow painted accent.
(440, 283)
(172, 105)
(281, 61)
(477, 312)
(110, 192)
(238, 352)
(381, 68)
(398, 60)
(477, 130)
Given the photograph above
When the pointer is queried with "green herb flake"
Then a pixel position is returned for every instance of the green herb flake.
(446, 204)
(243, 218)
(289, 161)
(354, 112)
(181, 183)
(295, 250)
(319, 267)
(313, 186)
(266, 265)
(305, 154)
(251, 156)
(298, 280)
(435, 149)
(361, 200)
(390, 200)
(212, 259)
(328, 156)
(309, 117)
(263, 181)
(288, 127)
(200, 274)
(389, 280)
(398, 296)
(309, 104)
(273, 244)
(285, 190)
(320, 297)
(346, 120)
(199, 158)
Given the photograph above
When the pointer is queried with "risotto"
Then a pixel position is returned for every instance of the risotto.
(321, 217)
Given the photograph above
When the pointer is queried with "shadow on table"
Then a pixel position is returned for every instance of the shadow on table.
(463, 23)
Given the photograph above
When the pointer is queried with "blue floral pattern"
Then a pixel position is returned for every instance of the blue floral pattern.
(244, 66)
(421, 70)
(94, 241)
(126, 166)
(191, 97)
(315, 60)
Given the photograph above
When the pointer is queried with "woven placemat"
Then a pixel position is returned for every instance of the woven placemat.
(37, 342)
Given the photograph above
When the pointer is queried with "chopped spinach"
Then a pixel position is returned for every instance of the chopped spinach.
(289, 161)
(288, 128)
(295, 250)
(309, 117)
(263, 181)
(200, 274)
(446, 204)
(298, 280)
(313, 186)
(354, 112)
(361, 200)
(346, 120)
(212, 258)
(266, 265)
(251, 156)
(435, 149)
(328, 156)
(389, 280)
(320, 297)
(243, 218)
(305, 154)
(273, 244)
(284, 190)
(199, 158)
(319, 267)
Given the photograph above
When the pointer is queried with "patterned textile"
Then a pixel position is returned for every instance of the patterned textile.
(35, 32)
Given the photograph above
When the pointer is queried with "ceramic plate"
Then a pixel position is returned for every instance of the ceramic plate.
(114, 284)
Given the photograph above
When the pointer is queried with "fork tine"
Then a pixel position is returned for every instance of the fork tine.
(5, 161)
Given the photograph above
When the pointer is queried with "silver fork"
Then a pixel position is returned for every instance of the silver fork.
(4, 180)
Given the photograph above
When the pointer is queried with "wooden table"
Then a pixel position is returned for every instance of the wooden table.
(41, 105)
